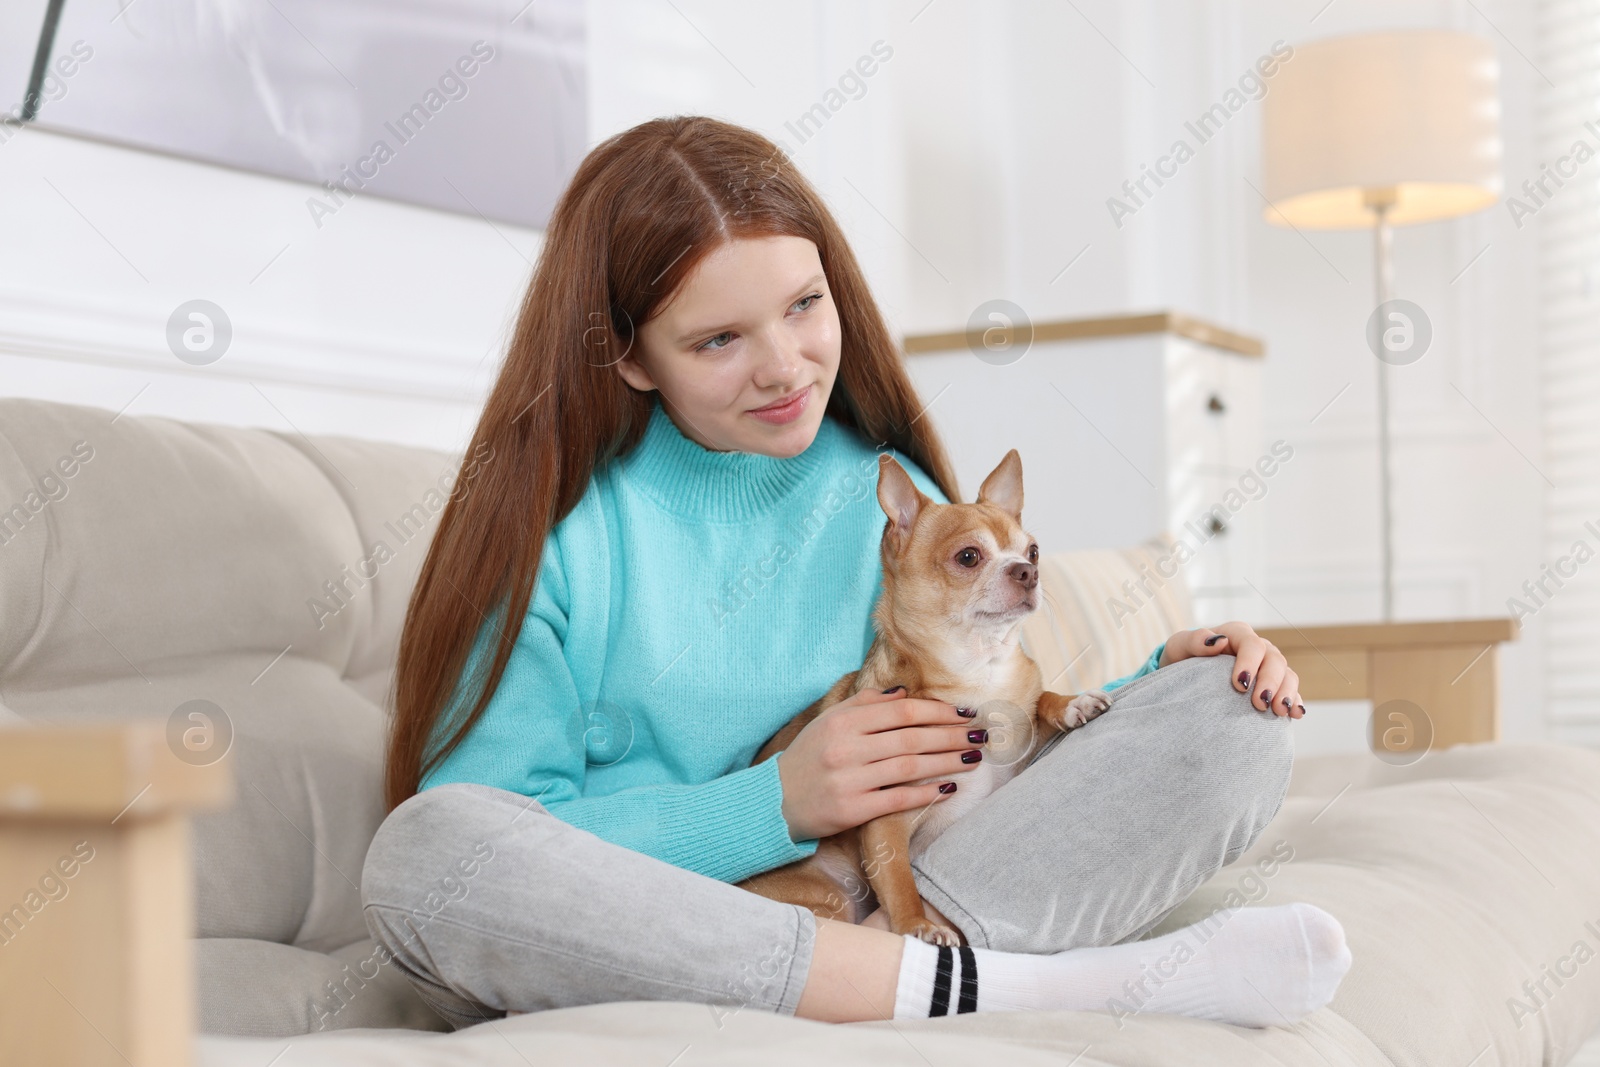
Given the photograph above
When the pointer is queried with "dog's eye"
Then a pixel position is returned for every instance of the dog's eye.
(968, 557)
(1033, 553)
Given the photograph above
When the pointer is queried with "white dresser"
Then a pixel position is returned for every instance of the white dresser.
(1128, 427)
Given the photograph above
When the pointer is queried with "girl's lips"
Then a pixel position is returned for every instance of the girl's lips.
(785, 412)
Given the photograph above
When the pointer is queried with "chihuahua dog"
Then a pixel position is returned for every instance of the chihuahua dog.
(958, 581)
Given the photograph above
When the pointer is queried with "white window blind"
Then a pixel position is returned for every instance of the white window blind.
(1568, 604)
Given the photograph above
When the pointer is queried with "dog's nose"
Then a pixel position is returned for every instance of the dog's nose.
(1025, 574)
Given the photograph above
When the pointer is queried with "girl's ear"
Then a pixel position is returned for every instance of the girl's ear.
(634, 373)
(900, 499)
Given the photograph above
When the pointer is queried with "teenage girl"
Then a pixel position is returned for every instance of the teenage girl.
(668, 546)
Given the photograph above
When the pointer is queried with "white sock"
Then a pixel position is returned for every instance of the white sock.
(1245, 966)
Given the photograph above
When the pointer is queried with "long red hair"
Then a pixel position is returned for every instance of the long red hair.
(643, 209)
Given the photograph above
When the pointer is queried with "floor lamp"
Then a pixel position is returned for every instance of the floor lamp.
(1376, 131)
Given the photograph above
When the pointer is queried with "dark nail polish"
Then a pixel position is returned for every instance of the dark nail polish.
(1244, 679)
(1213, 640)
(894, 689)
(1266, 700)
(977, 737)
(972, 756)
(1302, 708)
(1286, 702)
(948, 787)
(966, 713)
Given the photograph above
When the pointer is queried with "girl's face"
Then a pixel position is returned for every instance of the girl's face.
(753, 324)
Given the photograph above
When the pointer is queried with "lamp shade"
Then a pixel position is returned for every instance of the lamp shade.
(1409, 118)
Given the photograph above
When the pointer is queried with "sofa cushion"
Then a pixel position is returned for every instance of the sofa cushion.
(1456, 879)
(147, 564)
(353, 986)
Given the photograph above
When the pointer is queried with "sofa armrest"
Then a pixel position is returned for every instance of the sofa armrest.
(96, 894)
(1432, 684)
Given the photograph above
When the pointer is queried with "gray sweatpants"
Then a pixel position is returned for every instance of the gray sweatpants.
(490, 904)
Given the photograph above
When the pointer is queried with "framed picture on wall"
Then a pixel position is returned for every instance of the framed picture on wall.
(470, 106)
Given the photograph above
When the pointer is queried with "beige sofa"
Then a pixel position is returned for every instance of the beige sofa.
(147, 563)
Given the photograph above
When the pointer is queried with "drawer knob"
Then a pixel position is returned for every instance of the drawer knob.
(1216, 405)
(1217, 526)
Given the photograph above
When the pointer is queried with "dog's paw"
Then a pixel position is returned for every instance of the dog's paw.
(933, 933)
(1085, 706)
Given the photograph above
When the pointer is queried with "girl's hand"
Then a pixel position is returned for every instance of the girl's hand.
(1277, 688)
(850, 764)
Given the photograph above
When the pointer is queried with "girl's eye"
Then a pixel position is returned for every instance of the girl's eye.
(968, 557)
(1033, 553)
(710, 346)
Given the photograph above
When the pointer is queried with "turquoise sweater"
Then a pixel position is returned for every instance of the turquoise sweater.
(691, 604)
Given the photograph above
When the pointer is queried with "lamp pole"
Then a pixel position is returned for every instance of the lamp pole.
(1380, 201)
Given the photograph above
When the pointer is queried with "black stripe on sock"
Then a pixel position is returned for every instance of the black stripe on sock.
(941, 983)
(969, 981)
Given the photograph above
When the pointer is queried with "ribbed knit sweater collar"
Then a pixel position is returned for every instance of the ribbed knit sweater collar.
(695, 482)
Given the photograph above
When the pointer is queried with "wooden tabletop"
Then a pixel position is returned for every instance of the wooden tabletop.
(1394, 634)
(1172, 322)
(121, 771)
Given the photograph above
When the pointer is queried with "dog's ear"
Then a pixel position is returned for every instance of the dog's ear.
(900, 499)
(1003, 487)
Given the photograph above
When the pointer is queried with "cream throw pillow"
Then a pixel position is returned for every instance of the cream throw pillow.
(1104, 611)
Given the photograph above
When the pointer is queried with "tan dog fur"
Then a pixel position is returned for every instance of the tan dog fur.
(946, 631)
